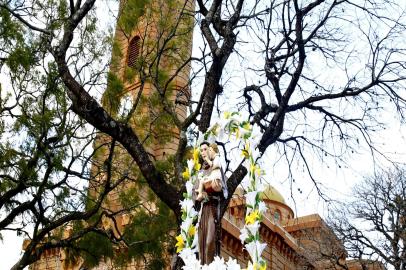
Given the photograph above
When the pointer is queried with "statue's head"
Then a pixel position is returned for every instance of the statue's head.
(204, 153)
(213, 150)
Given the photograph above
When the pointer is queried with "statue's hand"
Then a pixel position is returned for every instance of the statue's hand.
(216, 185)
(208, 161)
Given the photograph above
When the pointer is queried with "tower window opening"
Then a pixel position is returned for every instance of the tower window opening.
(133, 51)
(277, 215)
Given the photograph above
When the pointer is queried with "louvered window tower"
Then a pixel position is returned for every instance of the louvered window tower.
(133, 51)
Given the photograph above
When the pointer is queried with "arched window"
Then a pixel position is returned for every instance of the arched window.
(133, 51)
(277, 215)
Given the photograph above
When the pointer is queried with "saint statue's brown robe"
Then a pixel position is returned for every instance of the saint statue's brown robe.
(207, 232)
(209, 225)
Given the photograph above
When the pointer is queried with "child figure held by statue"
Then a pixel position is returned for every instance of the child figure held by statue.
(213, 161)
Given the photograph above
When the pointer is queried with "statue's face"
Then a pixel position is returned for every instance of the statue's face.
(204, 150)
(212, 153)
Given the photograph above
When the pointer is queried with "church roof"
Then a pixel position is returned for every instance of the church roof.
(271, 193)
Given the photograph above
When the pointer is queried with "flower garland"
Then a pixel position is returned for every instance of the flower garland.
(186, 240)
(233, 126)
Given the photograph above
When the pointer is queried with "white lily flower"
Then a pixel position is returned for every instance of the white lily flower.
(252, 251)
(253, 228)
(256, 136)
(192, 213)
(190, 165)
(186, 224)
(250, 198)
(211, 138)
(260, 247)
(259, 185)
(244, 234)
(247, 165)
(186, 204)
(255, 249)
(221, 136)
(191, 262)
(217, 264)
(233, 265)
(244, 131)
(262, 207)
(189, 188)
(186, 254)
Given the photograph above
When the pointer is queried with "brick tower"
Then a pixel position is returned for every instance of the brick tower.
(148, 86)
(148, 83)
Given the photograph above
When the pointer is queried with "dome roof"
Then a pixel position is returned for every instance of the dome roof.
(270, 193)
(274, 202)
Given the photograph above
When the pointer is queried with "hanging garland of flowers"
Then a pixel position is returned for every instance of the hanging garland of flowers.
(234, 127)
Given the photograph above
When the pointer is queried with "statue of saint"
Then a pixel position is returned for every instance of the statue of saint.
(211, 190)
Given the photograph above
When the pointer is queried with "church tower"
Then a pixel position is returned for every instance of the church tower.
(148, 88)
(148, 82)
